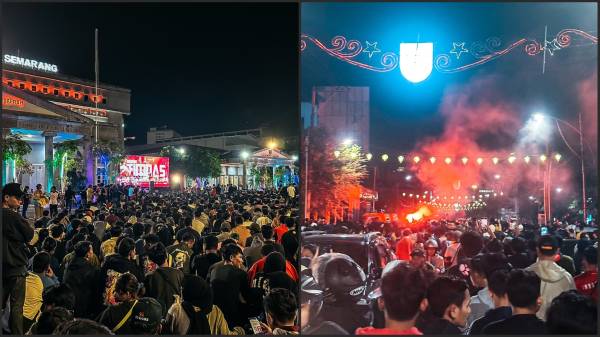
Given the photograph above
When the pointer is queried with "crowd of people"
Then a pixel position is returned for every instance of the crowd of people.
(124, 260)
(455, 277)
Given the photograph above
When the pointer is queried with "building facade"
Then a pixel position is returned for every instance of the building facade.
(46, 107)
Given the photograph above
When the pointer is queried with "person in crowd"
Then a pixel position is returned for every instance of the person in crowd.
(69, 198)
(108, 247)
(231, 286)
(252, 251)
(202, 263)
(43, 220)
(40, 266)
(195, 313)
(16, 234)
(497, 283)
(587, 282)
(242, 227)
(572, 313)
(53, 202)
(117, 264)
(165, 281)
(448, 305)
(280, 309)
(81, 326)
(519, 259)
(49, 320)
(432, 257)
(403, 296)
(181, 253)
(565, 261)
(524, 294)
(118, 317)
(26, 201)
(39, 202)
(554, 278)
(84, 278)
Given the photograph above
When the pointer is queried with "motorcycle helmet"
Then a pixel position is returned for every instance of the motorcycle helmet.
(341, 278)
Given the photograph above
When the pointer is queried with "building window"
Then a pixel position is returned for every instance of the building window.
(85, 98)
(66, 94)
(33, 88)
(77, 95)
(45, 90)
(104, 100)
(10, 83)
(56, 92)
(21, 85)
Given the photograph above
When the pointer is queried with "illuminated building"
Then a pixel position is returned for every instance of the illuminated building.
(46, 107)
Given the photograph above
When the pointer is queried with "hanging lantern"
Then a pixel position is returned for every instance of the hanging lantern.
(479, 161)
(543, 158)
(416, 159)
(432, 160)
(495, 160)
(448, 160)
(369, 156)
(464, 160)
(527, 159)
(384, 157)
(336, 153)
(511, 159)
(400, 159)
(557, 157)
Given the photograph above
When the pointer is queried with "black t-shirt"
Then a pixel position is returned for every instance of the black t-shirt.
(201, 263)
(517, 325)
(228, 283)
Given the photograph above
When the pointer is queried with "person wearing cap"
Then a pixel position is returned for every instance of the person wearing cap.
(16, 234)
(401, 297)
(555, 279)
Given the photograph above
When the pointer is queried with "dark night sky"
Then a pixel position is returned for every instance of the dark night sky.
(197, 67)
(402, 112)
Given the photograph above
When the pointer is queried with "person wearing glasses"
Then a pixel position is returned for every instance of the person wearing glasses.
(16, 233)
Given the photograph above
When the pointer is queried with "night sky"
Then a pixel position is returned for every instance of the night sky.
(402, 113)
(198, 67)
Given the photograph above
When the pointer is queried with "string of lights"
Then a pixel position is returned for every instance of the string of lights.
(465, 160)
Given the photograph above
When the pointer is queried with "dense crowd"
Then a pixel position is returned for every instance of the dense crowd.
(124, 260)
(456, 277)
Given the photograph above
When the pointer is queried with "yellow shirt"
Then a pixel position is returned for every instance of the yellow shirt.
(198, 225)
(33, 296)
(243, 231)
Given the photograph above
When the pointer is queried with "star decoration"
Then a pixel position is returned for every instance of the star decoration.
(552, 46)
(460, 51)
(371, 51)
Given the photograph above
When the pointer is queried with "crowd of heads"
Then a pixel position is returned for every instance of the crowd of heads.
(125, 260)
(460, 277)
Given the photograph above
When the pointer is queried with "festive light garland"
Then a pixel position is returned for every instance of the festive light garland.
(348, 51)
(458, 160)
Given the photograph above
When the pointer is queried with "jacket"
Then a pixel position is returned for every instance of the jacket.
(555, 280)
(162, 284)
(16, 233)
(83, 278)
(178, 322)
(439, 326)
(480, 304)
(516, 325)
(492, 315)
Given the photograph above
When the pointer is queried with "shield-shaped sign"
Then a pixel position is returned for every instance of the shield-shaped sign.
(416, 61)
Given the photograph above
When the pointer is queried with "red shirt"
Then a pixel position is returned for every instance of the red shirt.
(280, 231)
(258, 266)
(404, 248)
(385, 331)
(587, 284)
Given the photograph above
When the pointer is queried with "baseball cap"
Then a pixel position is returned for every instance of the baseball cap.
(12, 189)
(548, 244)
(146, 315)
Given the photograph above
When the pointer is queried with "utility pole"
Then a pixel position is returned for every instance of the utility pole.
(582, 171)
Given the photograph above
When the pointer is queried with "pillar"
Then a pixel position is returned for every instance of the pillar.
(90, 161)
(48, 159)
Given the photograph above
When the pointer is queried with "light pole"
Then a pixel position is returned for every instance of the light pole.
(244, 156)
(579, 131)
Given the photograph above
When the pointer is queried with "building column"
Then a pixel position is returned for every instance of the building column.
(49, 159)
(90, 161)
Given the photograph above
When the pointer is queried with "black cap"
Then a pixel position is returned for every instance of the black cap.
(548, 244)
(146, 315)
(13, 190)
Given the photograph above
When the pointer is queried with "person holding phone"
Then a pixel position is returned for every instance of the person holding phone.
(280, 308)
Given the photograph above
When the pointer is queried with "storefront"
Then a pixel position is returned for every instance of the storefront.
(46, 108)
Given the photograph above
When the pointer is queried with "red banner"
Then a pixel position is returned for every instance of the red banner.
(141, 170)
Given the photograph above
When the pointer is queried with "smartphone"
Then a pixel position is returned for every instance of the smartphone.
(543, 230)
(255, 324)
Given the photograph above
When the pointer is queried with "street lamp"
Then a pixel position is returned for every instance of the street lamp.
(294, 157)
(181, 150)
(244, 155)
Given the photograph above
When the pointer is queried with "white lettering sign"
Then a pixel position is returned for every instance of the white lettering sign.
(23, 62)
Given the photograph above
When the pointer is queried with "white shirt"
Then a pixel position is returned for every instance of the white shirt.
(53, 198)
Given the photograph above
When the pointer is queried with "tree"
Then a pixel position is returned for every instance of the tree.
(321, 172)
(14, 148)
(195, 162)
(67, 158)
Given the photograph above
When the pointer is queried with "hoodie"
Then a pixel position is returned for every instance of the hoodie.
(555, 280)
